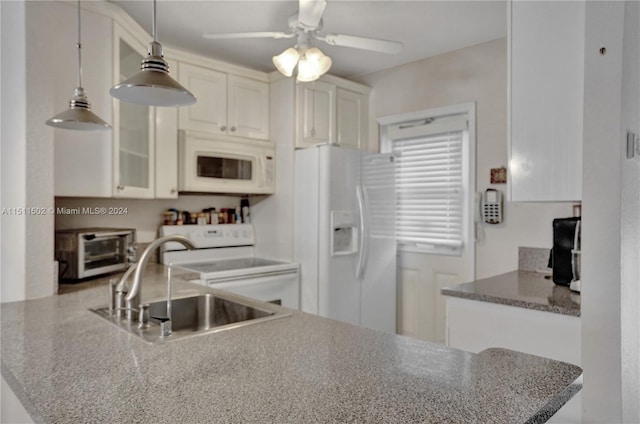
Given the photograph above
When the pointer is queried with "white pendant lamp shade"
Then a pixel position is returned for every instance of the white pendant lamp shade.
(79, 115)
(312, 65)
(286, 61)
(153, 86)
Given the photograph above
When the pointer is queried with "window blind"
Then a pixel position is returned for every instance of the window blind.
(430, 185)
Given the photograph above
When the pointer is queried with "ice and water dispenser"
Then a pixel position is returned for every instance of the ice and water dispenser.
(344, 234)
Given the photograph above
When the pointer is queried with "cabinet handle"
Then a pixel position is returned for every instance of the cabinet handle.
(173, 190)
(233, 129)
(120, 187)
(223, 128)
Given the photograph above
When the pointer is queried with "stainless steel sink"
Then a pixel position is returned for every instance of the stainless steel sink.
(195, 315)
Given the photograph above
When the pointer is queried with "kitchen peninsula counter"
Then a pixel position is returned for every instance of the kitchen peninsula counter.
(68, 365)
(523, 289)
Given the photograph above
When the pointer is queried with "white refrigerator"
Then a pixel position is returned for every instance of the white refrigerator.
(344, 235)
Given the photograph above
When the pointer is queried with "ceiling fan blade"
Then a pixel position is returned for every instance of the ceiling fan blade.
(230, 35)
(373, 44)
(310, 12)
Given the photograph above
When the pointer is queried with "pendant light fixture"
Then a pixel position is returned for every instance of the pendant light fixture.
(79, 115)
(153, 86)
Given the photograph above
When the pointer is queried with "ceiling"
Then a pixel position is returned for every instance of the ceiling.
(426, 28)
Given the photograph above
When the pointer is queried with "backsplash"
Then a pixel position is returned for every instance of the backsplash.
(533, 259)
(142, 214)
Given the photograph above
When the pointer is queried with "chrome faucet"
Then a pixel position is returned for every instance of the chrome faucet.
(134, 296)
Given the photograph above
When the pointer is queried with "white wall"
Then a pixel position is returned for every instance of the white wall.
(473, 74)
(601, 231)
(40, 107)
(630, 273)
(273, 215)
(13, 150)
(27, 155)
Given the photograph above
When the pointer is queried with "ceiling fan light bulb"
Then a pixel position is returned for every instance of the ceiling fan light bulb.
(286, 61)
(306, 72)
(312, 65)
(324, 64)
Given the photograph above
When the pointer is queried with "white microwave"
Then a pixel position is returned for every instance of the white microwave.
(217, 164)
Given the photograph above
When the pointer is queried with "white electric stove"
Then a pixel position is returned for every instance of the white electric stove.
(224, 259)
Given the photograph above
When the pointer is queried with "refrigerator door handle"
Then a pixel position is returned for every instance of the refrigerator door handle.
(364, 228)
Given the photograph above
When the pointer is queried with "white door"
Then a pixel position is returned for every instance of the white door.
(377, 273)
(338, 288)
(425, 266)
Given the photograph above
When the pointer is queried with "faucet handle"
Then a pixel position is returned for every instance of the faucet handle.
(143, 316)
(120, 305)
(113, 284)
(165, 326)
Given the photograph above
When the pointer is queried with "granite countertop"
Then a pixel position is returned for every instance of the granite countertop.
(68, 365)
(523, 289)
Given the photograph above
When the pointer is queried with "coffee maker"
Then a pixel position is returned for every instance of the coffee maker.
(565, 255)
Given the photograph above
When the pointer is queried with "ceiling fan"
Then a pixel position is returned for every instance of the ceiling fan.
(306, 25)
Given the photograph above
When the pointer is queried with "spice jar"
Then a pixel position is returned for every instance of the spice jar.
(168, 218)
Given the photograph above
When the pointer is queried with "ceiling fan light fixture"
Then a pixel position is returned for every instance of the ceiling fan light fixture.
(312, 65)
(153, 86)
(79, 115)
(286, 61)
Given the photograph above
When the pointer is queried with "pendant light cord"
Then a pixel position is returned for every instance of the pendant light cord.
(154, 30)
(79, 45)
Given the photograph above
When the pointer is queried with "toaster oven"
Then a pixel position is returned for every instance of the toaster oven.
(89, 252)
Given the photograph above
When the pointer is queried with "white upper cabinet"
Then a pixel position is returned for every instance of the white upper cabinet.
(210, 88)
(546, 52)
(351, 126)
(248, 107)
(166, 149)
(133, 126)
(317, 111)
(227, 104)
(332, 111)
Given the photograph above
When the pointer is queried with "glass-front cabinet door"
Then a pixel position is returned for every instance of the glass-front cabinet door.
(133, 126)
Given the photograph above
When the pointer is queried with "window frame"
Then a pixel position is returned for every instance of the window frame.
(468, 169)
